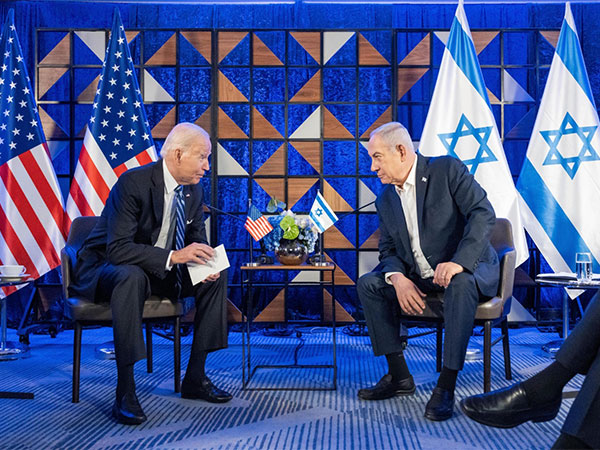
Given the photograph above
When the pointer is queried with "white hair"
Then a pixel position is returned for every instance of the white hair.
(393, 134)
(183, 136)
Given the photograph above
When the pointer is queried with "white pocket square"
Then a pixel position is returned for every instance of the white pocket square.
(187, 222)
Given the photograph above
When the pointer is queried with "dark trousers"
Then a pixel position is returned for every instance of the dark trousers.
(382, 312)
(581, 353)
(127, 287)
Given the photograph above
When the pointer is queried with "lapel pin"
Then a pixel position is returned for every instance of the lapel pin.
(187, 195)
(424, 180)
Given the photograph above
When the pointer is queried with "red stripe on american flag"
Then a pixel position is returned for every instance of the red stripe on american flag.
(79, 198)
(96, 179)
(143, 158)
(255, 231)
(30, 217)
(15, 245)
(40, 180)
(120, 169)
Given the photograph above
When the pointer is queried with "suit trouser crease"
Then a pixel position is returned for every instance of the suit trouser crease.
(382, 313)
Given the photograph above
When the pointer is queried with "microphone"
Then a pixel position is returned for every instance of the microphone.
(355, 210)
(213, 208)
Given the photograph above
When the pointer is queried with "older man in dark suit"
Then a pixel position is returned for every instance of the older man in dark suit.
(435, 222)
(151, 226)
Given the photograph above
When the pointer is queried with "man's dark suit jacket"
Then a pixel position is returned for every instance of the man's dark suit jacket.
(129, 226)
(455, 221)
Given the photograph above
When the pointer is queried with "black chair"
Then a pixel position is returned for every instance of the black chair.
(489, 314)
(85, 312)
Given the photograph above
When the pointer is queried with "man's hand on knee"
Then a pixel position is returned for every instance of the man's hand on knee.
(445, 271)
(193, 253)
(410, 297)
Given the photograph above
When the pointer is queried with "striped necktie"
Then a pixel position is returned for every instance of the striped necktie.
(179, 229)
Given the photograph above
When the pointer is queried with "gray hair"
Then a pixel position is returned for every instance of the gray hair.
(183, 136)
(393, 133)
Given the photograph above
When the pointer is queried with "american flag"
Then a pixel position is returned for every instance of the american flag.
(117, 137)
(257, 225)
(31, 204)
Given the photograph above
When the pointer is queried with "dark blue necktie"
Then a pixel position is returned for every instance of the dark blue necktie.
(179, 229)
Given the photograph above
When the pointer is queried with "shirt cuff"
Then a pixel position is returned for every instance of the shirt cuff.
(168, 265)
(388, 276)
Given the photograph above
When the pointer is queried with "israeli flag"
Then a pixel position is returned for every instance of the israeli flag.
(460, 123)
(321, 214)
(560, 179)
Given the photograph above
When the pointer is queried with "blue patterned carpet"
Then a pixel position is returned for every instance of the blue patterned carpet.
(258, 419)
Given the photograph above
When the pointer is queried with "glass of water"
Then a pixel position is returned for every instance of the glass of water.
(583, 267)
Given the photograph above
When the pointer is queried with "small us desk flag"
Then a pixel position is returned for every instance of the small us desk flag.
(257, 225)
(460, 123)
(117, 137)
(321, 214)
(31, 204)
(559, 181)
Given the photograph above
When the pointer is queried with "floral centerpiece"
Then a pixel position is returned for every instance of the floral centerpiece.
(292, 238)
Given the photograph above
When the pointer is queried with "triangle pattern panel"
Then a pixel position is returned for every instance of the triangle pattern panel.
(420, 55)
(61, 53)
(481, 39)
(372, 241)
(227, 164)
(310, 151)
(228, 129)
(310, 41)
(228, 41)
(335, 200)
(551, 37)
(95, 41)
(333, 42)
(274, 187)
(130, 36)
(204, 120)
(297, 164)
(332, 127)
(201, 41)
(334, 238)
(385, 117)
(341, 277)
(297, 189)
(166, 54)
(492, 96)
(367, 54)
(166, 124)
(408, 77)
(153, 91)
(367, 261)
(263, 56)
(341, 315)
(261, 127)
(442, 36)
(275, 164)
(311, 91)
(234, 315)
(524, 127)
(307, 276)
(513, 91)
(52, 130)
(365, 196)
(228, 92)
(48, 77)
(274, 311)
(88, 94)
(59, 152)
(310, 128)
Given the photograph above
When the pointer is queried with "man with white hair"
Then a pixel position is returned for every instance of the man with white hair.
(151, 226)
(435, 222)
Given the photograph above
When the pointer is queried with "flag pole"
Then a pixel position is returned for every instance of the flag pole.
(251, 263)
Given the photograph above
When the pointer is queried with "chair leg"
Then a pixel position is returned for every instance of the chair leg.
(506, 350)
(438, 347)
(76, 361)
(149, 366)
(487, 355)
(177, 354)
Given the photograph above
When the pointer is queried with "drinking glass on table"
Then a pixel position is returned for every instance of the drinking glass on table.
(583, 267)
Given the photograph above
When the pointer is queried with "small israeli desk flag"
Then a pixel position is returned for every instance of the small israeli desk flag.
(559, 180)
(321, 214)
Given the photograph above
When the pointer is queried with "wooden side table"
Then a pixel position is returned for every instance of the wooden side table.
(248, 285)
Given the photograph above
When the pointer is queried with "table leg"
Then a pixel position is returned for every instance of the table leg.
(553, 346)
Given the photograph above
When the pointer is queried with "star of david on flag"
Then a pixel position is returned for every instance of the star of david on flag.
(559, 178)
(460, 123)
(321, 214)
(31, 204)
(117, 137)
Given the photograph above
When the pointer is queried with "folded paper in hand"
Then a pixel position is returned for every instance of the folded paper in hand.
(199, 272)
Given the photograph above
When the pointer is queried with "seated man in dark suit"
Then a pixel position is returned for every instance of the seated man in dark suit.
(151, 226)
(538, 399)
(435, 222)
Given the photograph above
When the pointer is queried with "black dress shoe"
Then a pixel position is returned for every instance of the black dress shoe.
(204, 390)
(128, 410)
(440, 406)
(507, 408)
(386, 388)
